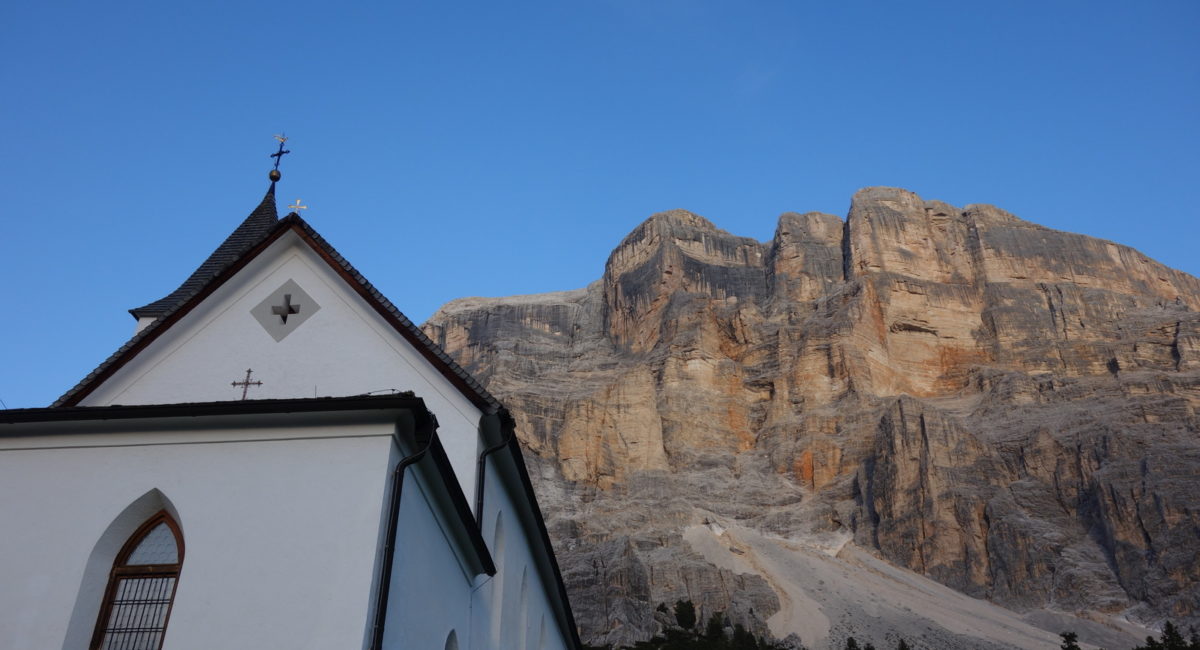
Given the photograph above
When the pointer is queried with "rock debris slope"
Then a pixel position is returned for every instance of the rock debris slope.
(1002, 408)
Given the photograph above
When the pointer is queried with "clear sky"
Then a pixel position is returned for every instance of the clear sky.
(494, 148)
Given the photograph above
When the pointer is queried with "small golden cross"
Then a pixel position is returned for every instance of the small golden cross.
(296, 206)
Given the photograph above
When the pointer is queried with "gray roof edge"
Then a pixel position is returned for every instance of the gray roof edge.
(204, 409)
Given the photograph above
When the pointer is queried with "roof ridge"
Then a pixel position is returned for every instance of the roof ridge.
(251, 231)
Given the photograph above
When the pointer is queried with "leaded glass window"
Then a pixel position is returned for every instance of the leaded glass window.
(141, 588)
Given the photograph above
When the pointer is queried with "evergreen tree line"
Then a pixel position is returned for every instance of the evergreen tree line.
(686, 635)
(852, 644)
(1171, 639)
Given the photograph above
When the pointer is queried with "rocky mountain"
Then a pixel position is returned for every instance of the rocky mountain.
(946, 423)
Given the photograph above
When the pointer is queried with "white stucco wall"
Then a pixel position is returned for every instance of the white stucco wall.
(344, 348)
(431, 592)
(503, 592)
(281, 529)
(486, 613)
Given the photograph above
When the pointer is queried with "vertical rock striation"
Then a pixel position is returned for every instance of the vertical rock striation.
(1006, 409)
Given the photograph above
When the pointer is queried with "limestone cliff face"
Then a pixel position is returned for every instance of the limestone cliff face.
(1007, 409)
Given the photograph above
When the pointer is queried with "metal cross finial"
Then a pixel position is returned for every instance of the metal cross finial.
(246, 383)
(296, 206)
(278, 155)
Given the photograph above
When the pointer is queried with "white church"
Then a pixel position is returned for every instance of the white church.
(278, 458)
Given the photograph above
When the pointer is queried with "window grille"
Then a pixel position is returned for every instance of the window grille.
(141, 588)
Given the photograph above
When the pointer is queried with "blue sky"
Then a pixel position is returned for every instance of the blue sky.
(472, 148)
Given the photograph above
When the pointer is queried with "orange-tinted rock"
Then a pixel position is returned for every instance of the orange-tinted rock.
(1008, 409)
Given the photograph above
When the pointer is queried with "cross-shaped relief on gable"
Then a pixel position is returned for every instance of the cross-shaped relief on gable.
(285, 310)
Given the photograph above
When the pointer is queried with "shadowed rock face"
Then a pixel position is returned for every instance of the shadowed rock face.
(1007, 409)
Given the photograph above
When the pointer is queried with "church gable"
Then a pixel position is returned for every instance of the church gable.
(244, 246)
(286, 317)
(291, 320)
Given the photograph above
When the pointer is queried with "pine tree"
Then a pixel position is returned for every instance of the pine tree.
(1172, 639)
(716, 626)
(1069, 641)
(903, 645)
(743, 640)
(685, 614)
(851, 644)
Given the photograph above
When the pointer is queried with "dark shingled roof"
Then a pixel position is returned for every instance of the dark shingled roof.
(253, 229)
(258, 230)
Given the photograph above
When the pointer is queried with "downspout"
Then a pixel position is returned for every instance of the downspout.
(427, 428)
(509, 430)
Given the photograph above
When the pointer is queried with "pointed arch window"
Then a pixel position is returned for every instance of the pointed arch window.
(141, 588)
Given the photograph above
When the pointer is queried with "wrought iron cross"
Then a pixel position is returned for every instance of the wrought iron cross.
(286, 309)
(246, 383)
(278, 155)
